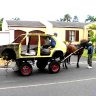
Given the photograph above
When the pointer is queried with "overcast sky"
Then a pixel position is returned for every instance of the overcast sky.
(47, 9)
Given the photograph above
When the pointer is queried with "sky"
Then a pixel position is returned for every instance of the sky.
(46, 9)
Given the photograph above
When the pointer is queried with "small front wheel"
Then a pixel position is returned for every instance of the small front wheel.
(54, 67)
(26, 69)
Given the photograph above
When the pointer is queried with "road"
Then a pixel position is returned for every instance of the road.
(72, 82)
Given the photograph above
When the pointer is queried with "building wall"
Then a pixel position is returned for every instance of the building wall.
(62, 33)
(4, 37)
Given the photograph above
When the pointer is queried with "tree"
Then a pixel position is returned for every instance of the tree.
(93, 35)
(90, 18)
(75, 19)
(93, 26)
(16, 18)
(60, 20)
(67, 18)
(1, 20)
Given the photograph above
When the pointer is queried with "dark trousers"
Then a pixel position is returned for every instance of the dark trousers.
(90, 59)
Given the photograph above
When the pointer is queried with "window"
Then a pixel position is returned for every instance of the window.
(72, 35)
(31, 48)
(88, 35)
(45, 44)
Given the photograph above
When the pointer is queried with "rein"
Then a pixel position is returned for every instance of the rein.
(71, 54)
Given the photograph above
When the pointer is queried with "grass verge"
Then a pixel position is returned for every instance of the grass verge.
(85, 54)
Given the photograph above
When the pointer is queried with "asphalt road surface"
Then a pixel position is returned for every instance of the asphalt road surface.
(72, 82)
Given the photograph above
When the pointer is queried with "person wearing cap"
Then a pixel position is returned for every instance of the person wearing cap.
(55, 34)
(90, 54)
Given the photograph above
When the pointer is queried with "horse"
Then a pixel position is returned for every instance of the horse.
(75, 50)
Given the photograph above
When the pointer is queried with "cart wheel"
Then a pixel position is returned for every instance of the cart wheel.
(26, 69)
(54, 67)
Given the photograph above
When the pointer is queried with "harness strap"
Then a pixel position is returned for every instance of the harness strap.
(71, 54)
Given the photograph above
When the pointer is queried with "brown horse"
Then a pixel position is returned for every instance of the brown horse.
(75, 50)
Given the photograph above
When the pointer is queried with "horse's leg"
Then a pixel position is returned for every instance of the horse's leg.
(66, 64)
(69, 60)
(78, 58)
(65, 61)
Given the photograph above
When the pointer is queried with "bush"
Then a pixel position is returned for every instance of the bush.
(85, 54)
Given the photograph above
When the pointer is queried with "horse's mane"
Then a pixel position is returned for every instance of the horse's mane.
(83, 43)
(73, 47)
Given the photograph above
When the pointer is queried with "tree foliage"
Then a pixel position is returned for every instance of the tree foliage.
(67, 18)
(16, 18)
(93, 26)
(75, 19)
(1, 20)
(90, 18)
(93, 34)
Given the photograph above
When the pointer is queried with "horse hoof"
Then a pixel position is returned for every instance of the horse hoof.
(63, 66)
(66, 67)
(77, 66)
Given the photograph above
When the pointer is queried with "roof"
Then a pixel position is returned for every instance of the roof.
(33, 24)
(68, 24)
(38, 24)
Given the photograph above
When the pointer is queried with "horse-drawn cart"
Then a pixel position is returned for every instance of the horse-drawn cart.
(30, 49)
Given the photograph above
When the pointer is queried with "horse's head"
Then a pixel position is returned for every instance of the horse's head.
(84, 43)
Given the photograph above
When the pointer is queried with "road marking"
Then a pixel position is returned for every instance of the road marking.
(46, 84)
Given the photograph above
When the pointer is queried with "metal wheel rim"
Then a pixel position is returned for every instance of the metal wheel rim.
(55, 68)
(25, 70)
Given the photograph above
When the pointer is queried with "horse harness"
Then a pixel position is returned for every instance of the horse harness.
(70, 55)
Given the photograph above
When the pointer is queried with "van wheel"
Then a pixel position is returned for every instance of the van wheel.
(41, 64)
(26, 69)
(8, 54)
(54, 67)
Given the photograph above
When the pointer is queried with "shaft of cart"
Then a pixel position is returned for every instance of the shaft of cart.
(70, 55)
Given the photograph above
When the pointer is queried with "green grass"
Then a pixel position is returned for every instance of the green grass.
(85, 54)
